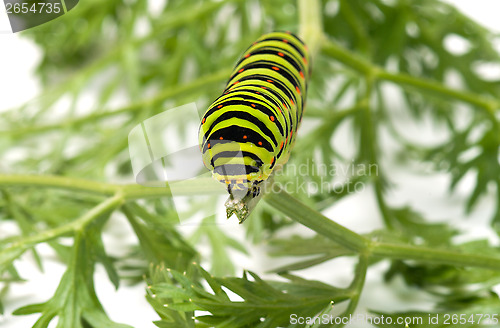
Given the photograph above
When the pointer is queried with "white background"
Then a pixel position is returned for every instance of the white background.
(18, 59)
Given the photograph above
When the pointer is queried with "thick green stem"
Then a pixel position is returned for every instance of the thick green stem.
(314, 220)
(311, 28)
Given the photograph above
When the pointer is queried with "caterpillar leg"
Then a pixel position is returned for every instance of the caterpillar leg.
(242, 202)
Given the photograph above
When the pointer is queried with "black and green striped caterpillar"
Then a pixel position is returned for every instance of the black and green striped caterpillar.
(249, 131)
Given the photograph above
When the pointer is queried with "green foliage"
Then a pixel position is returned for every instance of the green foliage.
(159, 242)
(220, 243)
(323, 249)
(60, 150)
(75, 302)
(263, 304)
(485, 169)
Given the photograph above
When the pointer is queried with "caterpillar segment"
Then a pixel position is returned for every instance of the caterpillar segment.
(249, 131)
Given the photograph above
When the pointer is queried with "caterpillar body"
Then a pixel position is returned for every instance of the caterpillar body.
(248, 132)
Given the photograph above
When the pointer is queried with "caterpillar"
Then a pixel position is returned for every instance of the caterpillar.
(248, 132)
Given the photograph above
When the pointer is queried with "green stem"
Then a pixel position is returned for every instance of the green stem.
(369, 133)
(58, 182)
(197, 186)
(348, 58)
(357, 286)
(364, 67)
(435, 256)
(384, 209)
(78, 224)
(316, 221)
(355, 25)
(436, 88)
(311, 26)
(308, 217)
